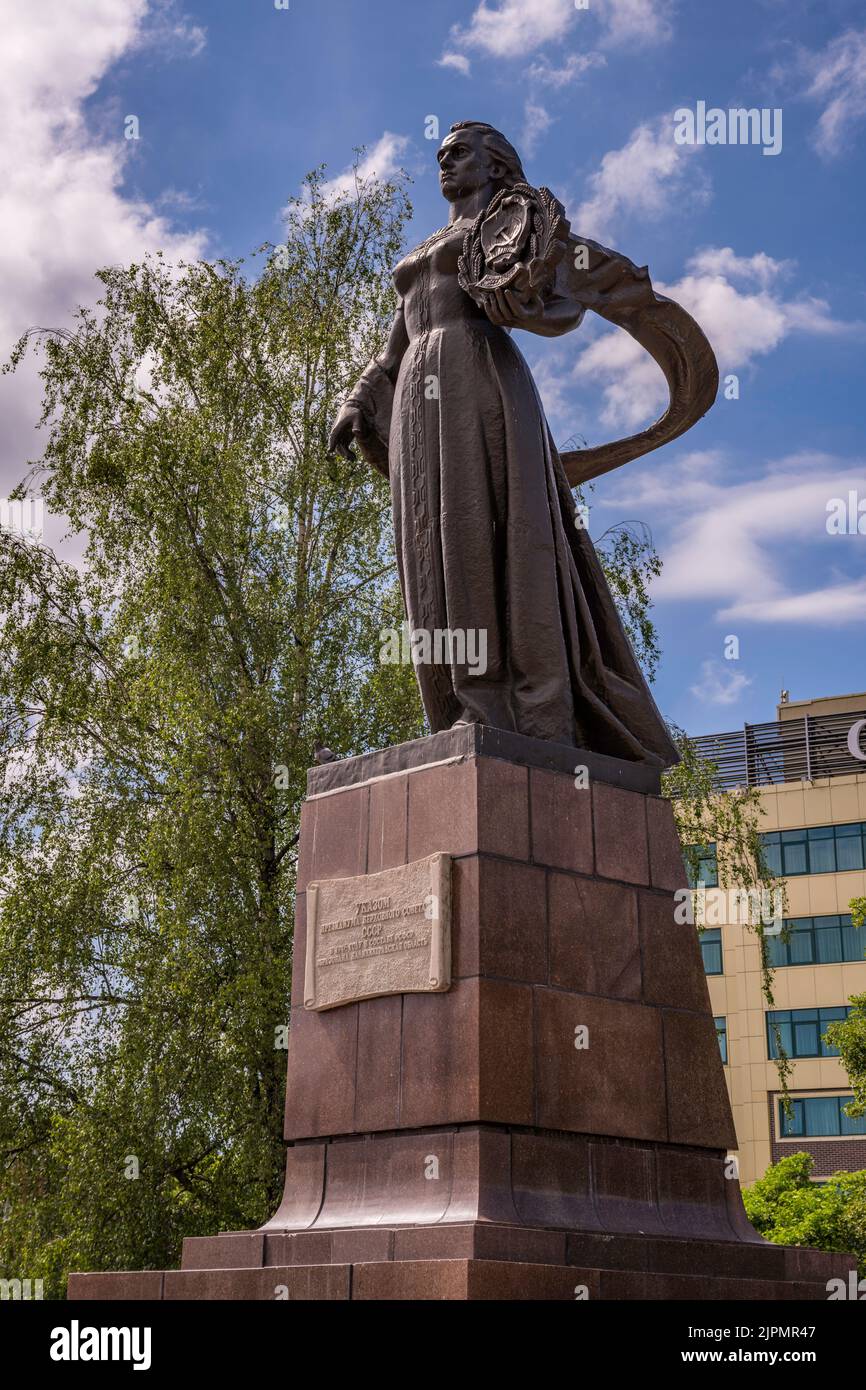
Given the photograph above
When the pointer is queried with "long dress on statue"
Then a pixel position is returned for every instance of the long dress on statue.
(486, 531)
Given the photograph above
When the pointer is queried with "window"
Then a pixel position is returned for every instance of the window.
(708, 872)
(821, 849)
(711, 950)
(817, 941)
(722, 1035)
(819, 1116)
(802, 1031)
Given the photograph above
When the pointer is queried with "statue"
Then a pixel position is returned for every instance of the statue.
(487, 534)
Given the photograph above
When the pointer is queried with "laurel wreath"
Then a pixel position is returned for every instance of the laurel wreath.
(543, 246)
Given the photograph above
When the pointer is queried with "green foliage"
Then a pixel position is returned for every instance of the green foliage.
(729, 819)
(630, 563)
(159, 703)
(849, 1036)
(732, 821)
(786, 1207)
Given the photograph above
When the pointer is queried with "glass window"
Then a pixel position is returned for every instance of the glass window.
(853, 940)
(806, 1037)
(777, 951)
(779, 1028)
(822, 849)
(801, 946)
(708, 872)
(849, 853)
(722, 1035)
(817, 940)
(801, 1031)
(793, 1124)
(849, 1126)
(828, 940)
(773, 852)
(822, 857)
(711, 950)
(822, 1115)
(825, 1018)
(795, 858)
(819, 1117)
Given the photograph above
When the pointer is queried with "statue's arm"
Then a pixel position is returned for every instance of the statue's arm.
(560, 314)
(365, 416)
(395, 348)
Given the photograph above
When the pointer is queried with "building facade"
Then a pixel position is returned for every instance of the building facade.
(810, 768)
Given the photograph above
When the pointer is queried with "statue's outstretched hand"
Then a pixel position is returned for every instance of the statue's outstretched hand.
(348, 426)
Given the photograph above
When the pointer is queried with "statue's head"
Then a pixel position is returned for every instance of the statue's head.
(474, 155)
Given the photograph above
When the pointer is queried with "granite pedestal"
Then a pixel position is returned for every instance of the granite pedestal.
(554, 1125)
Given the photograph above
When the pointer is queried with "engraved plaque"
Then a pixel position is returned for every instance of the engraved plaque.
(385, 933)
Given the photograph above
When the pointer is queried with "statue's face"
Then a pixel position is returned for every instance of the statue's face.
(464, 164)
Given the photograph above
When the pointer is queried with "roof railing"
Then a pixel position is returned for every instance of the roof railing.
(787, 750)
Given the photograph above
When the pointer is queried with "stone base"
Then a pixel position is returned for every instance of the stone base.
(492, 1279)
(555, 1125)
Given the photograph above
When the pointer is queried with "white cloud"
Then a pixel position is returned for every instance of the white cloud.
(62, 210)
(719, 684)
(646, 176)
(172, 32)
(536, 121)
(380, 162)
(744, 544)
(634, 387)
(725, 545)
(723, 260)
(575, 65)
(179, 200)
(627, 20)
(834, 606)
(742, 323)
(458, 61)
(691, 479)
(836, 78)
(515, 28)
(551, 373)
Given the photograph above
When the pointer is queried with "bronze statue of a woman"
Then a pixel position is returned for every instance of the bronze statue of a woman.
(486, 530)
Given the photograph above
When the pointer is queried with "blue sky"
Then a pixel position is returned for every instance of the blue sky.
(235, 101)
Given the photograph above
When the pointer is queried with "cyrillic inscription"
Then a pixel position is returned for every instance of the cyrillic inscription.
(385, 933)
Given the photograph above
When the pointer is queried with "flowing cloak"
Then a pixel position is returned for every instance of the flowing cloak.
(489, 543)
